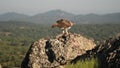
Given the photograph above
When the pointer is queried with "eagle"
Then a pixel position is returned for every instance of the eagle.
(64, 25)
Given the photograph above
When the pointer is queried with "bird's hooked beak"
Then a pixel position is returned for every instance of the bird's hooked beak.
(54, 25)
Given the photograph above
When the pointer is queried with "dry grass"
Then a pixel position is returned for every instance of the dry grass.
(92, 63)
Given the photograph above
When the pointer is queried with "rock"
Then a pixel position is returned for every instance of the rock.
(0, 66)
(108, 53)
(52, 53)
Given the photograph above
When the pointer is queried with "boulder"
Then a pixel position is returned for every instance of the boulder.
(0, 66)
(54, 52)
(107, 53)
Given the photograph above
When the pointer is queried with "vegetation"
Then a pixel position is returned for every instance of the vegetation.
(91, 63)
(16, 37)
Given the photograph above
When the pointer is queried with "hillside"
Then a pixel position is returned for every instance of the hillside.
(53, 15)
(16, 37)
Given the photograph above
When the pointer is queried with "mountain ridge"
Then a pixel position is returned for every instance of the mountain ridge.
(50, 17)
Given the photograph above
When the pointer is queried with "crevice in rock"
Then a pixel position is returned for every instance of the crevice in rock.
(50, 53)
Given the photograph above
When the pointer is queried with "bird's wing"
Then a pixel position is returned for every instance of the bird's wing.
(64, 23)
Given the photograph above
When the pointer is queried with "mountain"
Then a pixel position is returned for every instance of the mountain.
(98, 19)
(13, 16)
(51, 16)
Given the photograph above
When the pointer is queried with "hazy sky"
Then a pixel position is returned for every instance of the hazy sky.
(74, 6)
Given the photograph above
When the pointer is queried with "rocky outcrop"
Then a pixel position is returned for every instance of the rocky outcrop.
(51, 53)
(0, 66)
(108, 53)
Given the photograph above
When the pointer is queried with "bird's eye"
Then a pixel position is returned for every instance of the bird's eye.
(57, 21)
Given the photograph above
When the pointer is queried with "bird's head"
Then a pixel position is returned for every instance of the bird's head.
(61, 20)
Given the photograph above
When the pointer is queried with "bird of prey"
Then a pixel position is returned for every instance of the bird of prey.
(63, 24)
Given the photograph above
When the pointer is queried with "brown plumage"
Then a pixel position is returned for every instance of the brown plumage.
(63, 24)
